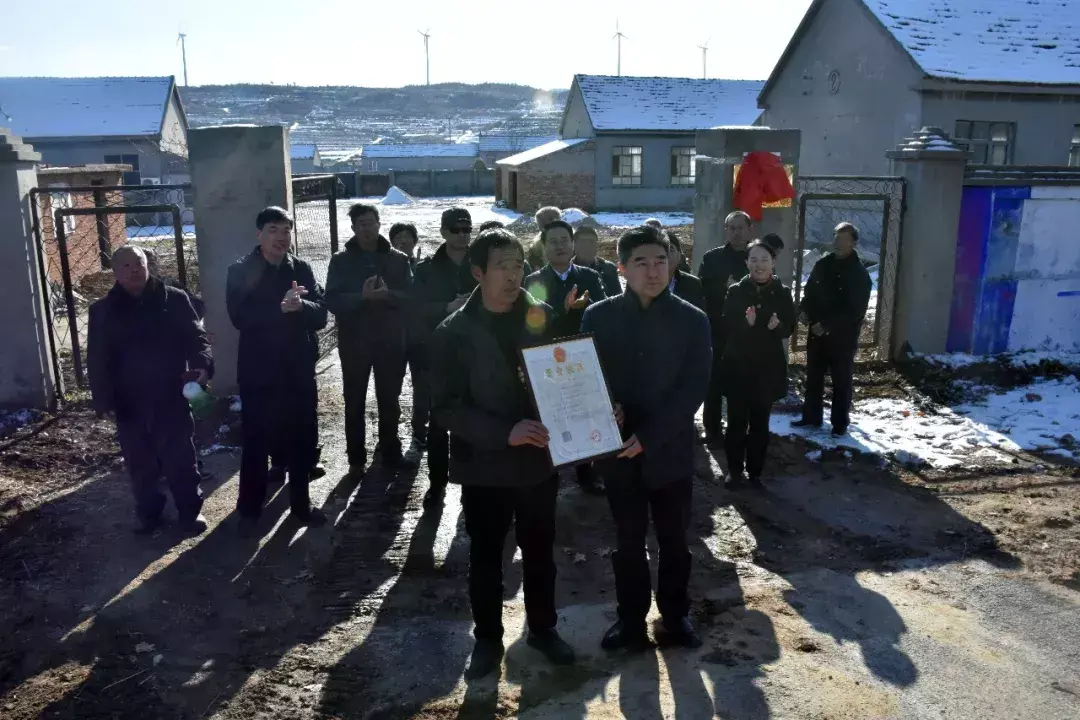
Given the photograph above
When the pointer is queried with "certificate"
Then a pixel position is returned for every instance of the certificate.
(571, 397)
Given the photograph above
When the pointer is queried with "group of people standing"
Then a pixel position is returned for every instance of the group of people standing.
(457, 320)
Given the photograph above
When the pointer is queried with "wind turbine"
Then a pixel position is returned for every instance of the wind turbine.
(427, 57)
(618, 36)
(704, 49)
(180, 40)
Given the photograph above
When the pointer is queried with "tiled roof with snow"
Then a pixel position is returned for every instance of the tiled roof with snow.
(302, 152)
(513, 143)
(1021, 41)
(405, 150)
(52, 107)
(665, 103)
(541, 151)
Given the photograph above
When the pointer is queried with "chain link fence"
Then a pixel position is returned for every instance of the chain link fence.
(875, 206)
(79, 228)
(316, 232)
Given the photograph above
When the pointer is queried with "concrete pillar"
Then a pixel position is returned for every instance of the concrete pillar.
(27, 380)
(719, 150)
(934, 170)
(235, 172)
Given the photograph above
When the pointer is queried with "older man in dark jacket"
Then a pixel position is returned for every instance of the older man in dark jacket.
(367, 288)
(145, 342)
(834, 306)
(656, 355)
(721, 268)
(277, 305)
(682, 283)
(497, 445)
(586, 243)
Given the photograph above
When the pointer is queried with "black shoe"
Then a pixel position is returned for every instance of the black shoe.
(486, 659)
(206, 476)
(318, 471)
(357, 470)
(593, 486)
(313, 518)
(554, 648)
(805, 423)
(434, 497)
(400, 463)
(247, 527)
(277, 474)
(621, 636)
(420, 438)
(715, 438)
(681, 632)
(736, 480)
(148, 526)
(194, 527)
(839, 431)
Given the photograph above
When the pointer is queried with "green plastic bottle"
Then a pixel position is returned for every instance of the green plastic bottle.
(200, 401)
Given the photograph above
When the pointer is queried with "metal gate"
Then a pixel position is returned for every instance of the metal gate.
(316, 233)
(77, 230)
(874, 205)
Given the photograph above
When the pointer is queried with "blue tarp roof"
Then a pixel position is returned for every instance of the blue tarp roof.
(52, 107)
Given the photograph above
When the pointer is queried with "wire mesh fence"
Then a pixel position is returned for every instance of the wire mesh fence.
(316, 232)
(77, 231)
(874, 205)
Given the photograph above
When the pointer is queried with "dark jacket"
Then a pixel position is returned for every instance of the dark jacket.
(275, 347)
(196, 302)
(547, 287)
(479, 398)
(719, 268)
(438, 281)
(837, 296)
(755, 357)
(689, 288)
(360, 320)
(609, 275)
(656, 363)
(139, 348)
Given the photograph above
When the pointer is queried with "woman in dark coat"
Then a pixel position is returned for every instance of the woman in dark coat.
(759, 316)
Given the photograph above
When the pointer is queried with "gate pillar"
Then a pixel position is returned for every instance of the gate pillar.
(934, 170)
(236, 171)
(718, 152)
(27, 380)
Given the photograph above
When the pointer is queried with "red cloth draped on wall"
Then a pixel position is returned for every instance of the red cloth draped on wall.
(761, 180)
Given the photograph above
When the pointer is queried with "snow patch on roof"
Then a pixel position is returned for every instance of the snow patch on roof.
(666, 103)
(420, 150)
(1021, 41)
(541, 151)
(513, 143)
(54, 107)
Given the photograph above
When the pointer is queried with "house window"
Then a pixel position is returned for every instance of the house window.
(1074, 147)
(682, 166)
(373, 165)
(990, 143)
(626, 165)
(130, 178)
(60, 199)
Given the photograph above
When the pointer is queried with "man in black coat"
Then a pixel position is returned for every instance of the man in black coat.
(568, 289)
(442, 284)
(682, 283)
(277, 305)
(367, 287)
(721, 268)
(404, 237)
(585, 246)
(145, 342)
(656, 355)
(498, 446)
(834, 307)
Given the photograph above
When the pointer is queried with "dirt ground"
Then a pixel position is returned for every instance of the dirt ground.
(842, 589)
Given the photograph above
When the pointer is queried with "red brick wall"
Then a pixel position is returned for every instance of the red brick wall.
(84, 257)
(537, 188)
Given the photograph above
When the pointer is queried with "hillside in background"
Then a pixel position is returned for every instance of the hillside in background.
(348, 117)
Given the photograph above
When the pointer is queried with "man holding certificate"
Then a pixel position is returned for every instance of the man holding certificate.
(498, 447)
(656, 354)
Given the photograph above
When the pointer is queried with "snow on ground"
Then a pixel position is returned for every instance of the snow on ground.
(1038, 416)
(625, 220)
(574, 215)
(397, 196)
(1026, 359)
(16, 419)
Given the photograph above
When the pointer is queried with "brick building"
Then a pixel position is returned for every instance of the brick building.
(557, 173)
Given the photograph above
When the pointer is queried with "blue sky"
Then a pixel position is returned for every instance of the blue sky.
(376, 43)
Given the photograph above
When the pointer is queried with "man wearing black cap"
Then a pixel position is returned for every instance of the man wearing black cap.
(443, 283)
(366, 287)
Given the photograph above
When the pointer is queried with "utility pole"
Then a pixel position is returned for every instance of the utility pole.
(704, 49)
(427, 56)
(619, 37)
(183, 53)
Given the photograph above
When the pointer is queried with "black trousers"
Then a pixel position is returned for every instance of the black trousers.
(488, 514)
(358, 360)
(747, 438)
(438, 454)
(283, 421)
(837, 356)
(161, 446)
(712, 416)
(631, 503)
(421, 404)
